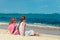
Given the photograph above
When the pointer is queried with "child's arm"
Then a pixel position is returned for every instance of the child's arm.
(23, 27)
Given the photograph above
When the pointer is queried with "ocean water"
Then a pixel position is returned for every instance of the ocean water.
(48, 19)
(36, 19)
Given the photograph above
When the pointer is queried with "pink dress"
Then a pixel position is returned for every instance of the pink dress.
(17, 32)
(13, 27)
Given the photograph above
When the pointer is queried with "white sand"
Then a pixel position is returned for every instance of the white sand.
(18, 37)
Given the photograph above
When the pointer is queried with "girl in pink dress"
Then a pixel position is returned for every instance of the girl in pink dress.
(12, 27)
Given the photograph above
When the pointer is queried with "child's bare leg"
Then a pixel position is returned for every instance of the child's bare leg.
(36, 34)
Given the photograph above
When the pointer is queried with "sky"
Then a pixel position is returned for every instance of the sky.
(30, 6)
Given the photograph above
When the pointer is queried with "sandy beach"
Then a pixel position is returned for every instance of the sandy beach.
(42, 29)
(18, 37)
(46, 33)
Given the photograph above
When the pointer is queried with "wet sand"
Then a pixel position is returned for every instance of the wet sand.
(46, 33)
(41, 30)
(5, 36)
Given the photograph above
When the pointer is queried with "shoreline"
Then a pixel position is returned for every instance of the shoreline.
(16, 37)
(36, 26)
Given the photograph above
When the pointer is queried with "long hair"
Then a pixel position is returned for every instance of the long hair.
(12, 20)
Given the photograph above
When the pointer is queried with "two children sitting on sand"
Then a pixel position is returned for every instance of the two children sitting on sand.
(20, 29)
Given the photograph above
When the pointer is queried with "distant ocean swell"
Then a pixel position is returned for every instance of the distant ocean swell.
(48, 19)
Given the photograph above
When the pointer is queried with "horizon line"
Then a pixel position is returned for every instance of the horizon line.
(29, 13)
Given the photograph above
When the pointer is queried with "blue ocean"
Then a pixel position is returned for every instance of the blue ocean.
(48, 19)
